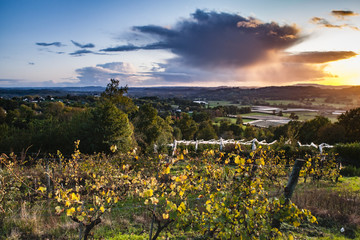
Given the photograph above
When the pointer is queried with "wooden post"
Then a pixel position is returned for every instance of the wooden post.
(290, 187)
(47, 176)
(293, 179)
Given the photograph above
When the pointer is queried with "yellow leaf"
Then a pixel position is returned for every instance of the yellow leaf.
(113, 148)
(67, 204)
(148, 193)
(181, 207)
(165, 216)
(102, 209)
(91, 209)
(42, 189)
(167, 170)
(70, 211)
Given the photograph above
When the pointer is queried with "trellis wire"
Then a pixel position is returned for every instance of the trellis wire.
(221, 142)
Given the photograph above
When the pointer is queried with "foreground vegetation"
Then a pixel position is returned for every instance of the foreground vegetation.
(219, 195)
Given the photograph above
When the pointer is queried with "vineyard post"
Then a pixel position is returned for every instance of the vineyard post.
(174, 147)
(47, 176)
(253, 145)
(293, 179)
(290, 187)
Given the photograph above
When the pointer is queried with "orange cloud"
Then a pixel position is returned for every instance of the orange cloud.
(325, 23)
(341, 14)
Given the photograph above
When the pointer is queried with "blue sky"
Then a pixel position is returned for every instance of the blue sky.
(179, 43)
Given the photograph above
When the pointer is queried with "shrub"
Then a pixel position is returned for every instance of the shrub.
(350, 153)
(350, 171)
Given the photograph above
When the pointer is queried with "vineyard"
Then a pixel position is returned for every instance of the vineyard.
(236, 193)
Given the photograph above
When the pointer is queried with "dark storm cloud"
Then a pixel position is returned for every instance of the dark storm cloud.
(213, 39)
(341, 14)
(325, 23)
(56, 44)
(88, 45)
(320, 57)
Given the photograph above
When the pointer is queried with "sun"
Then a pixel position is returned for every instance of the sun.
(345, 72)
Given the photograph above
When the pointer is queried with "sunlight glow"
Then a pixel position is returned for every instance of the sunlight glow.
(347, 72)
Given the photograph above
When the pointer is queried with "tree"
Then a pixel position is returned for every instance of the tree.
(206, 131)
(2, 115)
(331, 134)
(350, 121)
(239, 120)
(187, 126)
(115, 94)
(309, 131)
(293, 116)
(151, 129)
(111, 126)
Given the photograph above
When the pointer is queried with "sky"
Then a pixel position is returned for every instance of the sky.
(144, 43)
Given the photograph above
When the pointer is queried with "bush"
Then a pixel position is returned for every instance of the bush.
(350, 171)
(350, 153)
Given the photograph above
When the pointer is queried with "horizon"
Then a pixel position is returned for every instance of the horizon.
(179, 43)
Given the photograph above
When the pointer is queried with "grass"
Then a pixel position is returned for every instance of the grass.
(348, 183)
(336, 205)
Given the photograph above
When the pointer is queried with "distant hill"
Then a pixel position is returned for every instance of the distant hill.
(210, 93)
(322, 86)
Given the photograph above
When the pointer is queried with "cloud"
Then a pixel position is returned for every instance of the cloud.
(101, 73)
(325, 23)
(88, 45)
(56, 44)
(27, 83)
(319, 57)
(341, 14)
(218, 40)
(81, 52)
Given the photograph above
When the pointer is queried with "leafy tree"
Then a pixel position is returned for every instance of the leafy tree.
(350, 121)
(239, 120)
(331, 134)
(309, 131)
(111, 126)
(249, 132)
(187, 126)
(293, 116)
(206, 131)
(2, 115)
(116, 94)
(200, 116)
(151, 129)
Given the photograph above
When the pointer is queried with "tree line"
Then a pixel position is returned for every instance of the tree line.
(114, 119)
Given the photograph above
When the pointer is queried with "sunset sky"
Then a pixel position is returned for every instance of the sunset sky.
(47, 43)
